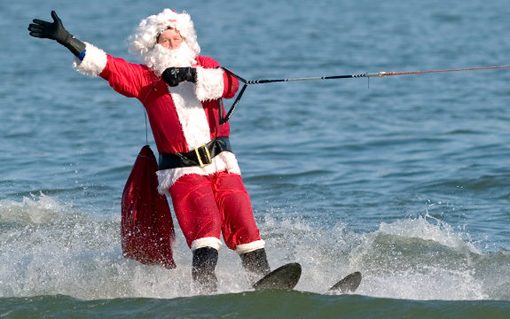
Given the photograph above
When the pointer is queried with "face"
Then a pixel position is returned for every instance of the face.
(170, 39)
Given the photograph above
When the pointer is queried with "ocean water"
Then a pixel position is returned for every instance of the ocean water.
(403, 178)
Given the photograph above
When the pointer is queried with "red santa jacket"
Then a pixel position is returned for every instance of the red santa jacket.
(183, 117)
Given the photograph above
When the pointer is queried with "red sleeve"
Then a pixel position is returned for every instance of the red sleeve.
(126, 78)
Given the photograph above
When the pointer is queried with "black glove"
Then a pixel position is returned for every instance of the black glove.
(56, 31)
(174, 76)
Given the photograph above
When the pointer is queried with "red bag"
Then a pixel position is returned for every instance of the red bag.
(147, 228)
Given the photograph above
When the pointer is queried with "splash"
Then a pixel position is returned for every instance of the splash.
(49, 248)
(35, 209)
(420, 259)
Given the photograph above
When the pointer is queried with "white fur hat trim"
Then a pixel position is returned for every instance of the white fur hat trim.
(151, 27)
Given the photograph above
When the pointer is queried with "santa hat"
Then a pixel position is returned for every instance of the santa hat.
(151, 27)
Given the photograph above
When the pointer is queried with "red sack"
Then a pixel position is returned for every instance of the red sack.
(147, 228)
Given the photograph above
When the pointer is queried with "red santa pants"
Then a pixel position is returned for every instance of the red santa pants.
(207, 206)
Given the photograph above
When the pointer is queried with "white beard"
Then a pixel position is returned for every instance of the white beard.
(160, 58)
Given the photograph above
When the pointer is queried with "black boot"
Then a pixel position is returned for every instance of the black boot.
(255, 263)
(203, 265)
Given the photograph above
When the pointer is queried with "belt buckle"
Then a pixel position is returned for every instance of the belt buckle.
(203, 162)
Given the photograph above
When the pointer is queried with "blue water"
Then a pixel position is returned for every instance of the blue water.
(403, 178)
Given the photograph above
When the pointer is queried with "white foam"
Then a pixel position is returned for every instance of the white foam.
(48, 248)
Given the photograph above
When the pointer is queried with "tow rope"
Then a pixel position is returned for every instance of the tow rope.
(224, 119)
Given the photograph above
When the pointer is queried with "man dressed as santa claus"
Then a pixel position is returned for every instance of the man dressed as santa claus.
(182, 91)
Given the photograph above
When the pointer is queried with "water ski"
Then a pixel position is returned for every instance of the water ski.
(348, 284)
(286, 277)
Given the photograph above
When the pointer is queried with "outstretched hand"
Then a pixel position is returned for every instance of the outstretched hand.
(55, 30)
(49, 30)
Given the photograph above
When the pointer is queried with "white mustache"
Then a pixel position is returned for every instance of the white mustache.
(160, 58)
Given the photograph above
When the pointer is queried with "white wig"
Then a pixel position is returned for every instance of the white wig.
(150, 28)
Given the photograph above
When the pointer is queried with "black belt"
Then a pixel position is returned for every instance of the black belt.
(200, 156)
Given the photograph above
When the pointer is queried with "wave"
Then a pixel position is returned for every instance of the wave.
(49, 248)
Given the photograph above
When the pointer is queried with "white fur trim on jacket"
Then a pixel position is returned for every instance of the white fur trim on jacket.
(247, 248)
(209, 84)
(212, 242)
(190, 110)
(225, 161)
(94, 61)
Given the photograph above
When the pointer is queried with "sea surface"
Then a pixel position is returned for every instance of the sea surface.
(404, 178)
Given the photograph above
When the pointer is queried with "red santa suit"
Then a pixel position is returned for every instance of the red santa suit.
(210, 200)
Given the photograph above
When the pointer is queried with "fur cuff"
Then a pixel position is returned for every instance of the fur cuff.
(212, 242)
(248, 248)
(209, 84)
(93, 63)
